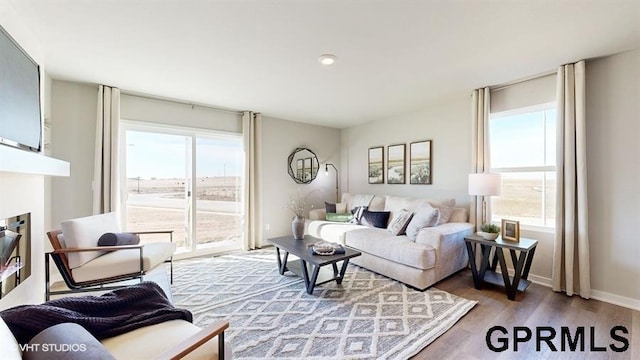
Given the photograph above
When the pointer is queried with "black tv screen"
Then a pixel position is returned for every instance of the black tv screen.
(19, 96)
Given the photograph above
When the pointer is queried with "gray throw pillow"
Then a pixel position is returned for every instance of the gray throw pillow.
(65, 341)
(118, 239)
(424, 216)
(446, 209)
(399, 224)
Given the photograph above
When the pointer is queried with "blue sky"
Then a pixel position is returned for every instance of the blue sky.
(163, 156)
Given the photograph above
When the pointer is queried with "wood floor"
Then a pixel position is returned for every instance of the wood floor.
(538, 306)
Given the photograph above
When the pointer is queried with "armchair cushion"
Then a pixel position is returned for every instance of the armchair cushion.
(66, 341)
(8, 343)
(85, 232)
(123, 262)
(116, 239)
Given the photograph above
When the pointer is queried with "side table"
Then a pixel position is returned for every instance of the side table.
(521, 262)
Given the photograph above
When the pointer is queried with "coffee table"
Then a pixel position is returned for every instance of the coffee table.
(310, 263)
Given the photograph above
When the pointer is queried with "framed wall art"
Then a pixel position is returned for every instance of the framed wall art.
(510, 230)
(396, 164)
(376, 165)
(420, 162)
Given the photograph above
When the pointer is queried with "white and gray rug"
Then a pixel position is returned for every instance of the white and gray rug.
(272, 316)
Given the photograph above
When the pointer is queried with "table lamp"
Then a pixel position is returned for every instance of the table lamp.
(485, 185)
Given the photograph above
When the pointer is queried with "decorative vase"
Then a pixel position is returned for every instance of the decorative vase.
(297, 226)
(487, 236)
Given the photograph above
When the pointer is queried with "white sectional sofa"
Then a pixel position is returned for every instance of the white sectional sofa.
(436, 253)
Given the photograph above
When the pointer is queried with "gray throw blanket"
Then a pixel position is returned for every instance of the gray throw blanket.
(111, 314)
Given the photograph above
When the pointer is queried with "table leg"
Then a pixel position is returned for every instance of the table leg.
(282, 263)
(472, 263)
(335, 269)
(343, 269)
(305, 275)
(511, 291)
(314, 278)
(527, 266)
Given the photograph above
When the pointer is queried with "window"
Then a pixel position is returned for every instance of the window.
(523, 150)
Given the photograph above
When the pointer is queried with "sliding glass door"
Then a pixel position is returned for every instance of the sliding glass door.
(184, 180)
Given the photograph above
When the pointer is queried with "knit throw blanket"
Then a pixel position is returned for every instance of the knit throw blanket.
(111, 314)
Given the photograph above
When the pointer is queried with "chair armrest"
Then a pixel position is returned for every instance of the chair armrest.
(196, 340)
(97, 248)
(170, 232)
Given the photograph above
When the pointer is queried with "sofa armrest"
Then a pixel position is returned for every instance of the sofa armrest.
(318, 214)
(193, 342)
(448, 242)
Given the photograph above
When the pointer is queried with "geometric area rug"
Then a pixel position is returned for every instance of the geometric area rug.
(270, 315)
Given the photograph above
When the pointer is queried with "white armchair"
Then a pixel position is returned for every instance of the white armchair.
(85, 266)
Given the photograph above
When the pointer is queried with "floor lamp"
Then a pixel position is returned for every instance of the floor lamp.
(485, 185)
(326, 172)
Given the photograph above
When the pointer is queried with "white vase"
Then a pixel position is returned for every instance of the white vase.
(297, 227)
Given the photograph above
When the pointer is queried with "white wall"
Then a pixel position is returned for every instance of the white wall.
(73, 129)
(279, 139)
(447, 124)
(613, 139)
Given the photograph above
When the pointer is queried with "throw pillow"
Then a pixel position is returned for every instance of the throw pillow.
(357, 214)
(337, 208)
(118, 239)
(330, 208)
(399, 224)
(63, 341)
(378, 219)
(424, 216)
(446, 209)
(339, 217)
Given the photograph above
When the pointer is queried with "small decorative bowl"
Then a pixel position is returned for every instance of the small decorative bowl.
(487, 236)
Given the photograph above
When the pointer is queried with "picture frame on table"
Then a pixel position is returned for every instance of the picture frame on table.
(376, 165)
(420, 162)
(510, 230)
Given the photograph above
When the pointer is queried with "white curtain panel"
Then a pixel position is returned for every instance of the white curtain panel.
(479, 147)
(571, 269)
(251, 130)
(106, 187)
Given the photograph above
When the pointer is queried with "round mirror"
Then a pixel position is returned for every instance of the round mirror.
(303, 165)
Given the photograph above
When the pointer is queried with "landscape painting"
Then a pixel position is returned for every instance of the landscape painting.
(395, 164)
(420, 162)
(376, 165)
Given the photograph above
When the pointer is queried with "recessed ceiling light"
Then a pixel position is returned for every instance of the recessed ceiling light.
(327, 59)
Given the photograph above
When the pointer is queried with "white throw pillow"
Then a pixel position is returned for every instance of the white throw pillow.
(424, 216)
(446, 209)
(399, 224)
(85, 232)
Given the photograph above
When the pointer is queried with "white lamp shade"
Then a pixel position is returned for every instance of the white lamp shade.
(485, 184)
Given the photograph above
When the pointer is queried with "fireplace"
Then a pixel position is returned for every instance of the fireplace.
(15, 252)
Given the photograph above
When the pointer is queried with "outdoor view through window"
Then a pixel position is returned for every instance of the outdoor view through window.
(160, 183)
(523, 150)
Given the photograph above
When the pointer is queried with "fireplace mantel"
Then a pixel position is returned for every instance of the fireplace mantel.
(14, 160)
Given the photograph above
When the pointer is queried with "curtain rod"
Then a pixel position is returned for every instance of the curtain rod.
(516, 82)
(151, 97)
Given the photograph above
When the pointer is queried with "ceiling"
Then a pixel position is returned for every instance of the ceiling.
(394, 57)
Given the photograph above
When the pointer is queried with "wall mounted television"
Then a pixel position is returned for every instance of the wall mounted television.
(20, 119)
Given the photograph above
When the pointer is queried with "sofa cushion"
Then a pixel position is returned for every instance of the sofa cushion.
(424, 216)
(85, 232)
(377, 219)
(121, 262)
(399, 224)
(376, 204)
(396, 204)
(399, 249)
(144, 343)
(331, 231)
(339, 208)
(66, 341)
(446, 207)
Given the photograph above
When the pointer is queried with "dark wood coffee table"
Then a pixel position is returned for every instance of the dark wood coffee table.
(310, 263)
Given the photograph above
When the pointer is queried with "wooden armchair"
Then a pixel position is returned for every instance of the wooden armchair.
(84, 266)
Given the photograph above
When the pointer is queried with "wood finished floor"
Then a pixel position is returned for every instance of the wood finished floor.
(537, 306)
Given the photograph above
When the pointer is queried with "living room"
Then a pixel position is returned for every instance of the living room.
(613, 174)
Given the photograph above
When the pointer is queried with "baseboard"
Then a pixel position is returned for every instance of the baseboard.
(603, 296)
